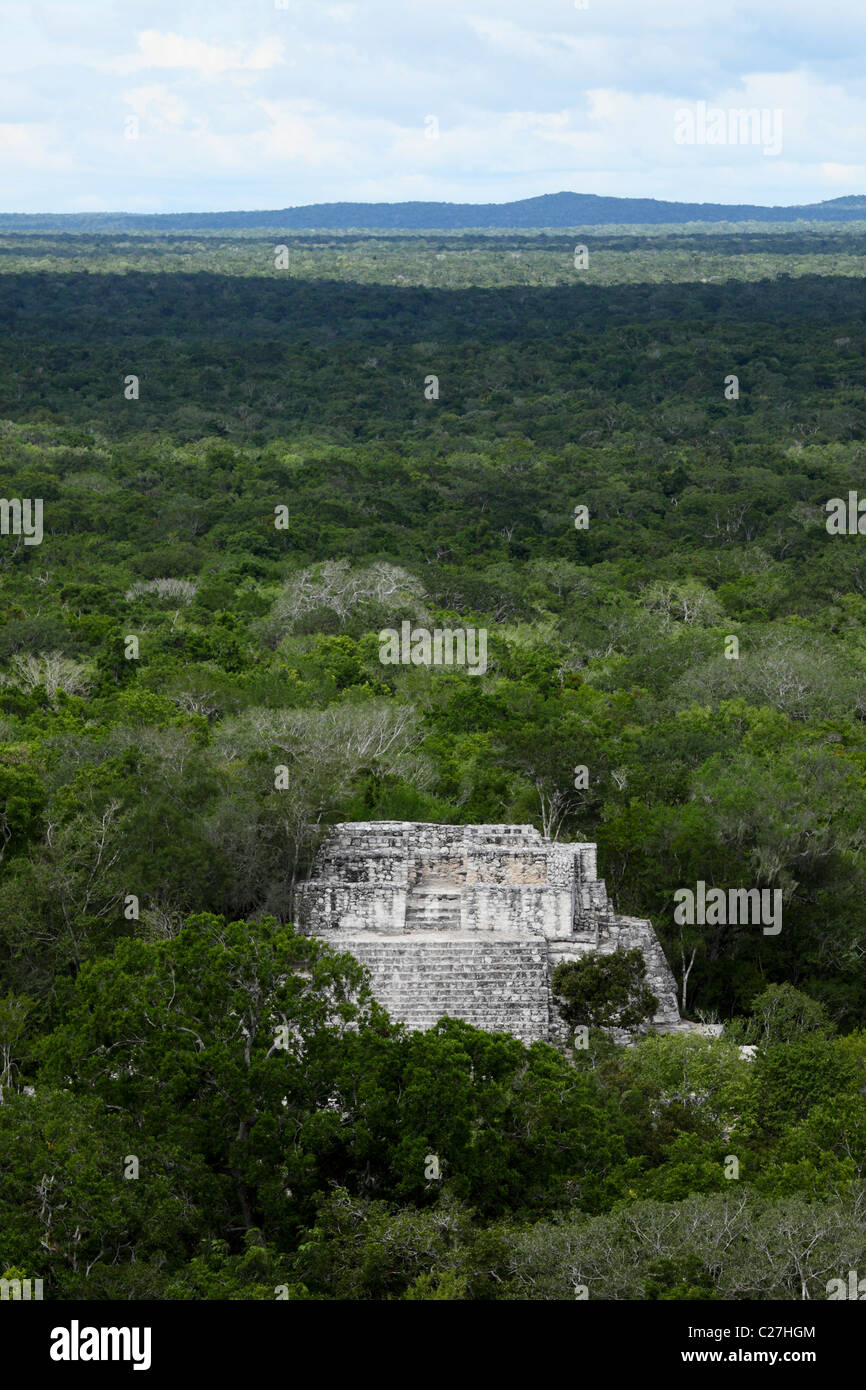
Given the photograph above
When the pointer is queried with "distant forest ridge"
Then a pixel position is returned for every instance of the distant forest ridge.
(549, 210)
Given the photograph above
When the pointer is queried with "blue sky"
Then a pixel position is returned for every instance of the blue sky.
(196, 105)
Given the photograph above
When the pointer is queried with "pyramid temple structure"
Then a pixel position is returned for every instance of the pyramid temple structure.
(470, 921)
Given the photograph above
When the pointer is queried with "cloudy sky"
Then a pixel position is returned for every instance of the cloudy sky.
(140, 105)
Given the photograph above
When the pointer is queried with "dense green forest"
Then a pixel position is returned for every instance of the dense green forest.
(653, 256)
(245, 472)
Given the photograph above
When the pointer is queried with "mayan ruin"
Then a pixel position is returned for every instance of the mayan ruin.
(470, 921)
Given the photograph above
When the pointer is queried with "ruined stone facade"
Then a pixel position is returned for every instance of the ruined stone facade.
(470, 921)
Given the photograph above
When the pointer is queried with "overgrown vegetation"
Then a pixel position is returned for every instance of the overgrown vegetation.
(138, 791)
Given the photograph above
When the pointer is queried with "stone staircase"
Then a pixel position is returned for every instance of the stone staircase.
(499, 986)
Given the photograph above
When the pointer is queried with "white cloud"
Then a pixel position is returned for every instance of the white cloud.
(163, 109)
(31, 146)
(312, 138)
(246, 105)
(157, 50)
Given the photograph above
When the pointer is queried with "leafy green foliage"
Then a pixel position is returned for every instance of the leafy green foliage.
(149, 852)
(605, 991)
(781, 1014)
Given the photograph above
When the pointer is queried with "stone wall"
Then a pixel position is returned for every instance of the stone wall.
(469, 920)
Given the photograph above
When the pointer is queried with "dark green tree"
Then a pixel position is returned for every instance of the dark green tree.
(605, 991)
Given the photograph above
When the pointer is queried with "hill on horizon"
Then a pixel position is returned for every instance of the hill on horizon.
(549, 210)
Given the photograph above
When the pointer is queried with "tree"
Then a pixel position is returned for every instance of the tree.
(335, 590)
(70, 1211)
(605, 991)
(781, 1014)
(13, 1026)
(794, 1077)
(222, 1042)
(52, 671)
